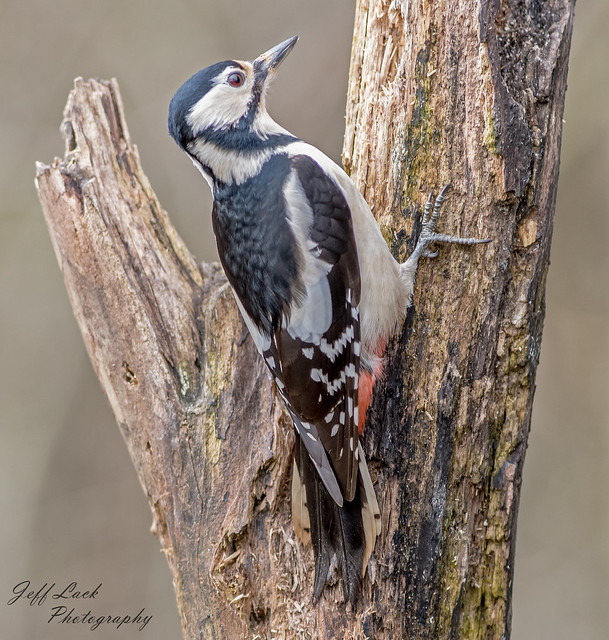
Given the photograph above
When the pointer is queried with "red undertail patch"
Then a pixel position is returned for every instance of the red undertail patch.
(366, 386)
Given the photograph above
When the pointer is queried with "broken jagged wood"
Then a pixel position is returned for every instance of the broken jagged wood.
(468, 93)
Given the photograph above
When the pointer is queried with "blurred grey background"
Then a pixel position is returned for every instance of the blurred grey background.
(72, 508)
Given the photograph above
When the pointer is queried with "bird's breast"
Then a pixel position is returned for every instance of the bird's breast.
(255, 242)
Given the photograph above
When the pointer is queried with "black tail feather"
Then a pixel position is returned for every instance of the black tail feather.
(334, 530)
(350, 544)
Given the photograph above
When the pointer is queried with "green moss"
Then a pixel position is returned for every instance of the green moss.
(519, 353)
(491, 138)
(216, 378)
(387, 234)
(496, 425)
(418, 134)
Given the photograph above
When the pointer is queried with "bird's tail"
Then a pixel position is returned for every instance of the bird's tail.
(349, 531)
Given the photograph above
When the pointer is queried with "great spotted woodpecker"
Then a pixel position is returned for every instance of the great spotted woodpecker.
(316, 285)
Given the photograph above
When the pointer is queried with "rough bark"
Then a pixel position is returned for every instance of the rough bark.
(460, 93)
(470, 94)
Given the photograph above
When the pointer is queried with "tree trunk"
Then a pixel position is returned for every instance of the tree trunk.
(472, 95)
(457, 92)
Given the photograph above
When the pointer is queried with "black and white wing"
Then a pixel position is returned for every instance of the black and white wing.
(286, 242)
(318, 343)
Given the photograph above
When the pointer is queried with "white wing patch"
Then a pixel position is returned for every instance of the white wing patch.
(382, 308)
(311, 316)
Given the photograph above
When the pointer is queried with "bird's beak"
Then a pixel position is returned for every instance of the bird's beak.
(271, 59)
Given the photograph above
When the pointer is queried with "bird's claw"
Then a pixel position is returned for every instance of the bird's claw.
(428, 236)
(430, 218)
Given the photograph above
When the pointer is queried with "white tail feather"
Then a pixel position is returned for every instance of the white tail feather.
(300, 511)
(371, 514)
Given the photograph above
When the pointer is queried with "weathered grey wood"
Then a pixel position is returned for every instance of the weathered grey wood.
(459, 92)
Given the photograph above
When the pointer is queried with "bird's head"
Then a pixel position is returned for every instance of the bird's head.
(223, 105)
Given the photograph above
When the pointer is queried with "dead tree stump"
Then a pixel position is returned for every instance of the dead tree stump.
(461, 92)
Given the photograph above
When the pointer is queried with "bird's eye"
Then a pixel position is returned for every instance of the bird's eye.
(236, 79)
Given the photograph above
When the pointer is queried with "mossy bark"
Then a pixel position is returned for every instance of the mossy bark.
(459, 93)
(468, 94)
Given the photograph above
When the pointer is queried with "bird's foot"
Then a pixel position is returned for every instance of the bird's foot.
(428, 236)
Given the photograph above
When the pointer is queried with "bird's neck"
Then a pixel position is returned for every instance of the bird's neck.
(234, 152)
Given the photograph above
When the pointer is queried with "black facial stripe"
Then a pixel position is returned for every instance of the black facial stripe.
(239, 138)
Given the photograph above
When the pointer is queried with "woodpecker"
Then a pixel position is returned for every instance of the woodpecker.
(316, 285)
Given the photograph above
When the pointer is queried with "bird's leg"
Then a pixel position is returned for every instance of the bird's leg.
(428, 236)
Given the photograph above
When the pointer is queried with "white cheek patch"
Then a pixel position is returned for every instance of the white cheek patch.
(222, 105)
